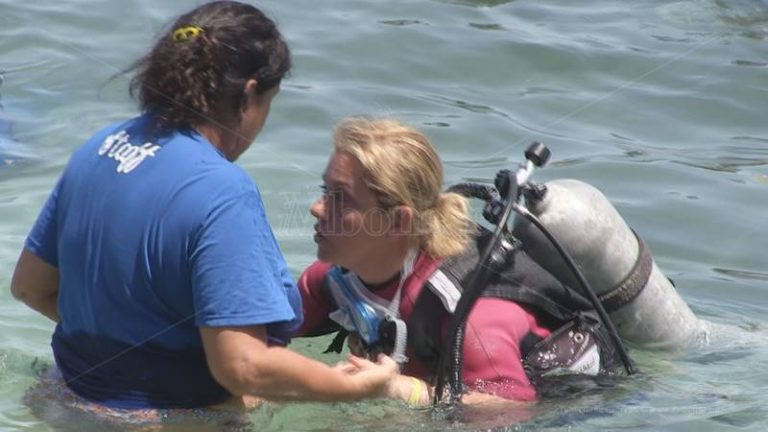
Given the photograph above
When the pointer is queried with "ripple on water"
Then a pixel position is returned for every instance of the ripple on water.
(630, 94)
(477, 3)
(750, 63)
(743, 12)
(742, 274)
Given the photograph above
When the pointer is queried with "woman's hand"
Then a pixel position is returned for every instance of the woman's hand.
(415, 392)
(377, 377)
(355, 345)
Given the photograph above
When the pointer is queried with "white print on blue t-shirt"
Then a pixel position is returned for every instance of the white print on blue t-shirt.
(117, 147)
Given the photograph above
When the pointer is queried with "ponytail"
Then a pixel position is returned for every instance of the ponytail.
(447, 227)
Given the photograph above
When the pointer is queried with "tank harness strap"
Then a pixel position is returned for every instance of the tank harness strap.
(633, 284)
(445, 289)
(559, 353)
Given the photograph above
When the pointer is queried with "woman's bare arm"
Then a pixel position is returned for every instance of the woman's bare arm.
(241, 360)
(36, 283)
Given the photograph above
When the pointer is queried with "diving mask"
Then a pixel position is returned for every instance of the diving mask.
(368, 315)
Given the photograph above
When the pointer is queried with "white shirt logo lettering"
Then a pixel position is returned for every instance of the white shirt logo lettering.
(129, 156)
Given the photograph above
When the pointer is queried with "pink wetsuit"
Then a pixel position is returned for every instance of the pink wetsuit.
(495, 328)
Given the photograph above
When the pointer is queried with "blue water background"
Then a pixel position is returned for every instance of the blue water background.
(663, 105)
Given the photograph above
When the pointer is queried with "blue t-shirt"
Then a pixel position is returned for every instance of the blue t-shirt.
(152, 239)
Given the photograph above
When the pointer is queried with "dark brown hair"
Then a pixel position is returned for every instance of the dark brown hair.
(200, 79)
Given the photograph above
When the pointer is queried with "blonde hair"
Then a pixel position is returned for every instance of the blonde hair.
(402, 168)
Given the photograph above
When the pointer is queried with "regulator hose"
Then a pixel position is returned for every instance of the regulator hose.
(475, 190)
(586, 288)
(455, 332)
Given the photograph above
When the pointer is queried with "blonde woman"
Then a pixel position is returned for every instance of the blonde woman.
(387, 239)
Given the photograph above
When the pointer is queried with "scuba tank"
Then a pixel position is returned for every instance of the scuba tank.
(571, 230)
(642, 303)
(502, 200)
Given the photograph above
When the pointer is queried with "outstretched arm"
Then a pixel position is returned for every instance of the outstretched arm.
(36, 283)
(241, 361)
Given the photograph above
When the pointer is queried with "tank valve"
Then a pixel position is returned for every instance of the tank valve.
(535, 192)
(538, 153)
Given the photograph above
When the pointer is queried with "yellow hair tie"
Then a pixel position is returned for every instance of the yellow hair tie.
(183, 34)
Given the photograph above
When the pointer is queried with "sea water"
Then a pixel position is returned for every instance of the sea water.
(660, 104)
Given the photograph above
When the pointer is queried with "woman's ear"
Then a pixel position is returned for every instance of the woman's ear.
(403, 220)
(249, 92)
(251, 86)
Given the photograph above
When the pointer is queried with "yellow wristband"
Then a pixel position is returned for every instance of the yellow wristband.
(415, 398)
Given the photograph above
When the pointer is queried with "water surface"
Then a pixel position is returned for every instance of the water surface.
(662, 105)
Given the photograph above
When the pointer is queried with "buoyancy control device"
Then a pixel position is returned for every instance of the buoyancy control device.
(572, 230)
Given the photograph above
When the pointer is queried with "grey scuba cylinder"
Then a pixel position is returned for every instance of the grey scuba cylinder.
(643, 304)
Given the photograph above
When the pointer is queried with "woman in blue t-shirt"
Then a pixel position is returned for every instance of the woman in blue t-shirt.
(153, 253)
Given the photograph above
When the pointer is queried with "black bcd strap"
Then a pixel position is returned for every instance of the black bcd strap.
(633, 284)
